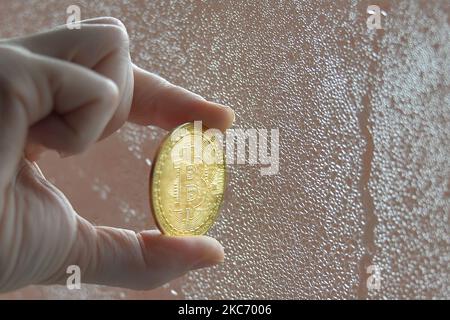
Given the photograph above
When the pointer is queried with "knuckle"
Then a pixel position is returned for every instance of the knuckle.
(14, 75)
(109, 93)
(109, 34)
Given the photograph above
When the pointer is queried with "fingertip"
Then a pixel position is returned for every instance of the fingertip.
(214, 252)
(158, 102)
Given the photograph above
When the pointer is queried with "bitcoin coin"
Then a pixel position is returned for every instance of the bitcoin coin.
(187, 181)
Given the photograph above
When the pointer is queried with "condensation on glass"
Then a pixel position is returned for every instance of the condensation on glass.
(364, 120)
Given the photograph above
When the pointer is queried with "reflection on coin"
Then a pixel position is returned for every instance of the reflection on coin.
(187, 181)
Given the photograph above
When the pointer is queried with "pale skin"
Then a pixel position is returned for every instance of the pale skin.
(64, 90)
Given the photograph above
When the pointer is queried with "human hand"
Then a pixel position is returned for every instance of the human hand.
(63, 90)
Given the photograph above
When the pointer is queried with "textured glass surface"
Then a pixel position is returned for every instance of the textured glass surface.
(364, 120)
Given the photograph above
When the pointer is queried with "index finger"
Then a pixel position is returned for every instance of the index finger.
(158, 102)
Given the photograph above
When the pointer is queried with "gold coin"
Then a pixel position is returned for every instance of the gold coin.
(187, 181)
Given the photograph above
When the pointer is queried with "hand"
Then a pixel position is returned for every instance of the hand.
(63, 90)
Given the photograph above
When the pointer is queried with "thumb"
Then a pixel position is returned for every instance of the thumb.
(144, 260)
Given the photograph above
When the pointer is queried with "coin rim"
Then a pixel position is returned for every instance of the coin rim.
(151, 178)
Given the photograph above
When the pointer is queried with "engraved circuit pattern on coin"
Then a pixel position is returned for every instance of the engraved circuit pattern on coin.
(187, 181)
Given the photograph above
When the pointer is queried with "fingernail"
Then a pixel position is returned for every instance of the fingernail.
(229, 110)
